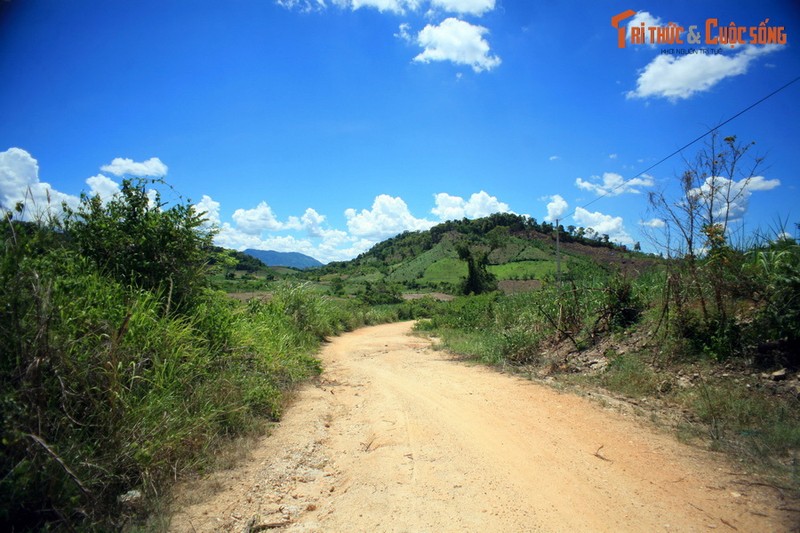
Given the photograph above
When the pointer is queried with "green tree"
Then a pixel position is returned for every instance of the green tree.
(479, 279)
(139, 242)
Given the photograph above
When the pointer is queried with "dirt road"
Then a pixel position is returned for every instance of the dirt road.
(399, 437)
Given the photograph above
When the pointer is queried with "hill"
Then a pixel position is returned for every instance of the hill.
(284, 259)
(519, 251)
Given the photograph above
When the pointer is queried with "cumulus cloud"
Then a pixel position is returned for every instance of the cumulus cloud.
(612, 184)
(457, 41)
(603, 224)
(556, 208)
(257, 220)
(464, 7)
(210, 207)
(389, 216)
(653, 223)
(681, 77)
(731, 198)
(327, 245)
(152, 168)
(102, 186)
(19, 182)
(480, 204)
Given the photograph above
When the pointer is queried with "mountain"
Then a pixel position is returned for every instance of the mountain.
(284, 259)
(519, 251)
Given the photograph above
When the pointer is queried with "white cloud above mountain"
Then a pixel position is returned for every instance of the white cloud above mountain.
(556, 208)
(601, 223)
(480, 204)
(388, 217)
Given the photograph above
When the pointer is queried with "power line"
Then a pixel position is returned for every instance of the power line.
(687, 145)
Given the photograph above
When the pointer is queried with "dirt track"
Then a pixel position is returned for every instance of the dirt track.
(398, 437)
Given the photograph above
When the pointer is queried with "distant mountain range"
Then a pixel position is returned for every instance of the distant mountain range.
(284, 259)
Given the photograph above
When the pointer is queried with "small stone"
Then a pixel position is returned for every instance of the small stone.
(779, 375)
(130, 498)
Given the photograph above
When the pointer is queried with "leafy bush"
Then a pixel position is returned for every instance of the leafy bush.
(121, 369)
(138, 242)
(776, 272)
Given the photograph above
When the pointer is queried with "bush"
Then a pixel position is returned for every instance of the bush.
(121, 370)
(140, 243)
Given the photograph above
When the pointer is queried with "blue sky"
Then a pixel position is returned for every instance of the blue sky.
(324, 126)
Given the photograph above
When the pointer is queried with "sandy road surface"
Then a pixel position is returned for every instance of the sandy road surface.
(398, 437)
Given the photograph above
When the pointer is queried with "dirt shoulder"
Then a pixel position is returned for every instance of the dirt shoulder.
(398, 437)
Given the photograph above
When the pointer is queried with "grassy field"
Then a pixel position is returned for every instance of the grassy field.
(526, 269)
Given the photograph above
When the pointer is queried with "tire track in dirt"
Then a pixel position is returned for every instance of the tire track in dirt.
(398, 437)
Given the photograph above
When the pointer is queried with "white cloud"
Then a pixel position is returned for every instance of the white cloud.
(102, 186)
(681, 77)
(19, 182)
(304, 6)
(731, 198)
(554, 158)
(480, 204)
(395, 6)
(470, 7)
(457, 41)
(403, 33)
(653, 223)
(257, 220)
(603, 224)
(556, 208)
(612, 156)
(389, 216)
(613, 184)
(648, 20)
(211, 209)
(153, 167)
(329, 245)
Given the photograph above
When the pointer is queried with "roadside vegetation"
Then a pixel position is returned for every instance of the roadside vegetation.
(709, 336)
(132, 349)
(123, 369)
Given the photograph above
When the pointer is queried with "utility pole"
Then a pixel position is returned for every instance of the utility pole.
(558, 254)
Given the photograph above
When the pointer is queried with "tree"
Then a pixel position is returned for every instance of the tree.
(139, 242)
(712, 189)
(713, 192)
(479, 279)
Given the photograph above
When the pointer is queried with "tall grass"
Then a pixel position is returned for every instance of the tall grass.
(103, 393)
(117, 378)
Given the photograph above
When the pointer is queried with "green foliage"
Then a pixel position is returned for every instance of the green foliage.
(479, 280)
(121, 370)
(759, 425)
(447, 270)
(382, 293)
(629, 375)
(141, 244)
(776, 291)
(622, 307)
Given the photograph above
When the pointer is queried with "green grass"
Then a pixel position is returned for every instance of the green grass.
(629, 375)
(525, 270)
(415, 268)
(447, 270)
